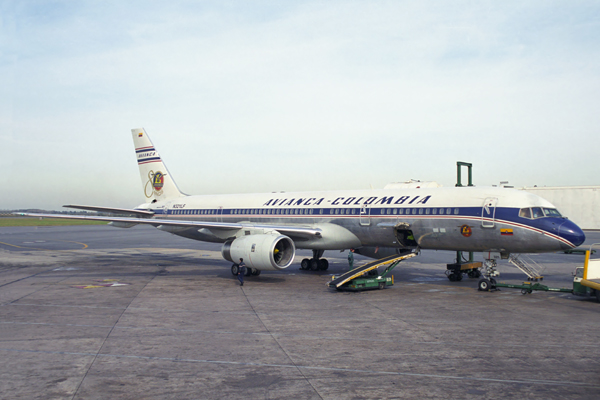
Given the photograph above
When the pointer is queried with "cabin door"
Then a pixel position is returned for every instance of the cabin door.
(365, 215)
(488, 212)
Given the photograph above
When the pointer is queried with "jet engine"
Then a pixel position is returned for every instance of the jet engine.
(263, 252)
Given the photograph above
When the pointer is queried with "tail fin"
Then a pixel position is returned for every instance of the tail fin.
(158, 183)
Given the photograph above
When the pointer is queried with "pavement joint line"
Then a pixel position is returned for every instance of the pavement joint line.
(106, 338)
(329, 369)
(132, 308)
(274, 337)
(21, 279)
(283, 335)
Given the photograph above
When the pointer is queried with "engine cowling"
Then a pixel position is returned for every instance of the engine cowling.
(263, 252)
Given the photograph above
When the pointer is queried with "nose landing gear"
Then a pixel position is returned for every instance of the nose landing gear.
(488, 282)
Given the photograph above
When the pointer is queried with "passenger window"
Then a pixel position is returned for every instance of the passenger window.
(427, 211)
(434, 211)
(420, 211)
(456, 211)
(441, 211)
(537, 212)
(395, 211)
(448, 211)
(414, 211)
(401, 211)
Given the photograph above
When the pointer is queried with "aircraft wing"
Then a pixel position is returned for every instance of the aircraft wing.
(291, 230)
(127, 211)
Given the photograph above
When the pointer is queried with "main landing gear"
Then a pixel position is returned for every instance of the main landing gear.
(316, 263)
(249, 271)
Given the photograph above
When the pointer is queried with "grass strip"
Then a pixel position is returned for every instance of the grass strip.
(36, 221)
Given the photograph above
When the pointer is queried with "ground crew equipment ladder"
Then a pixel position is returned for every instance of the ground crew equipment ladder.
(531, 269)
(358, 271)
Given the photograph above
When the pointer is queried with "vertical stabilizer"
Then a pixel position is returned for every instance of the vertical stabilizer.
(157, 181)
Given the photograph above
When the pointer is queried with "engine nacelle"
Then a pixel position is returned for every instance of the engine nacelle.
(263, 252)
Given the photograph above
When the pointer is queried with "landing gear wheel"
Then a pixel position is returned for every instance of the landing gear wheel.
(249, 271)
(314, 264)
(492, 283)
(381, 285)
(234, 269)
(323, 264)
(304, 264)
(255, 272)
(484, 285)
(525, 291)
(474, 273)
(458, 277)
(452, 277)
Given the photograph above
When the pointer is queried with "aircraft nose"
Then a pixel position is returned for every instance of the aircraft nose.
(570, 231)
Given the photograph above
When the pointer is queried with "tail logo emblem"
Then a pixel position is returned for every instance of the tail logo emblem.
(154, 186)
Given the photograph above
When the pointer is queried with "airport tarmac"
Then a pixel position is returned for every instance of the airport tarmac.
(94, 312)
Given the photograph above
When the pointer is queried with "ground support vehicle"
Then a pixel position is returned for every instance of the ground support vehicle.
(367, 277)
(586, 280)
(455, 271)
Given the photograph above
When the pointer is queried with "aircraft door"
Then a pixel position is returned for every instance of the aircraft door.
(488, 212)
(365, 215)
(220, 215)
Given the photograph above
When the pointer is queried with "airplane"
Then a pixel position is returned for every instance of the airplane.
(266, 229)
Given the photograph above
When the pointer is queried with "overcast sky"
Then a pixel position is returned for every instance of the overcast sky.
(261, 96)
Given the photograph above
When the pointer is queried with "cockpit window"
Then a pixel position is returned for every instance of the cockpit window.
(537, 212)
(525, 213)
(552, 212)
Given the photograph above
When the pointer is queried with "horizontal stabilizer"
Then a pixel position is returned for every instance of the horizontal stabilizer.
(125, 211)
